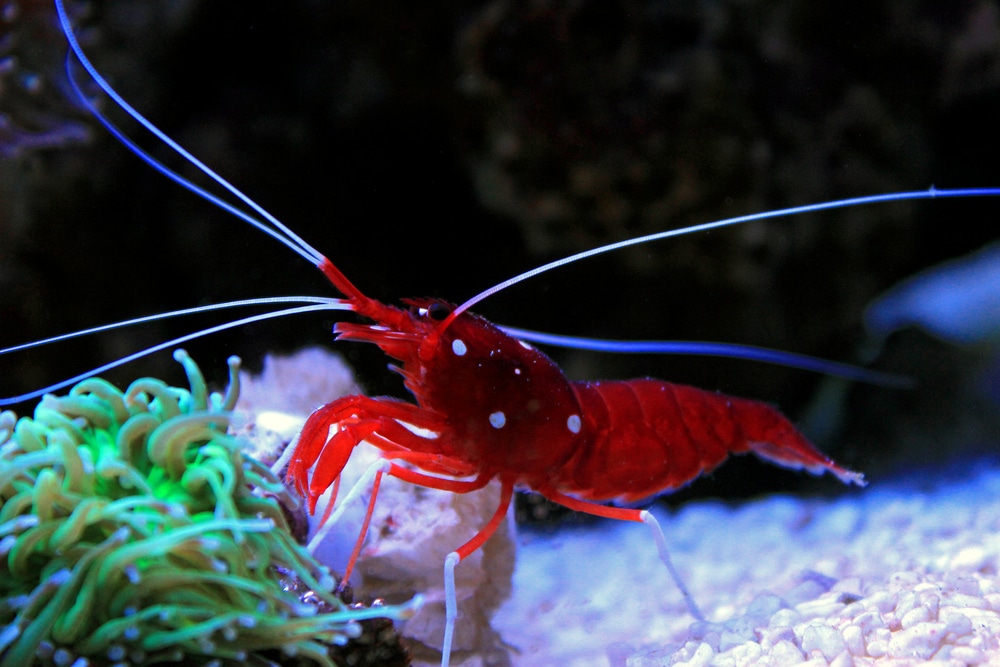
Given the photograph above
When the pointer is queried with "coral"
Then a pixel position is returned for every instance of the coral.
(133, 528)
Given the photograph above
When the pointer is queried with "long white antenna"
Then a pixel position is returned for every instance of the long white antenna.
(280, 231)
(930, 193)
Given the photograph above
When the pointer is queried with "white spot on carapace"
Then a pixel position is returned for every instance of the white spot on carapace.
(525, 345)
(573, 423)
(517, 371)
(498, 419)
(458, 347)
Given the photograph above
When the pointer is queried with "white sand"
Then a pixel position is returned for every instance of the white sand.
(776, 578)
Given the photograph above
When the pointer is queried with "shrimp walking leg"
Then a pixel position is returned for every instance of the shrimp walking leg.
(455, 486)
(373, 476)
(639, 516)
(661, 547)
(356, 551)
(378, 468)
(460, 554)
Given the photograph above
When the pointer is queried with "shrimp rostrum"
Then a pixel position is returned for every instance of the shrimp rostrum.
(489, 406)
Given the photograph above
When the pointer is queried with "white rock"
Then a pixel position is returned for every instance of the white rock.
(914, 617)
(970, 558)
(966, 655)
(703, 656)
(844, 659)
(961, 600)
(931, 601)
(298, 383)
(785, 652)
(966, 585)
(747, 654)
(774, 636)
(785, 618)
(883, 601)
(956, 623)
(920, 642)
(820, 637)
(854, 639)
(878, 644)
(906, 601)
(869, 621)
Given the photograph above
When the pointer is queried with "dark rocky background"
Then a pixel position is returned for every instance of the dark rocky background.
(437, 149)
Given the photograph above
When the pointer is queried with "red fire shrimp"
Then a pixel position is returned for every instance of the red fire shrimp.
(487, 405)
(490, 406)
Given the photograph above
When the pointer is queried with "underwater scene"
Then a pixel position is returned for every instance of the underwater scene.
(431, 152)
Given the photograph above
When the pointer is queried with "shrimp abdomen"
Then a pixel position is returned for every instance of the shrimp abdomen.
(645, 437)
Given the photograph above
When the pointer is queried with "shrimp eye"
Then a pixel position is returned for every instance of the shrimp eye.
(438, 311)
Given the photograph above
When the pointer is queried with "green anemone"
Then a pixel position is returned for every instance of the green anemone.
(134, 530)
